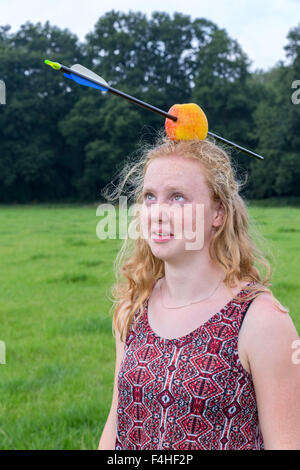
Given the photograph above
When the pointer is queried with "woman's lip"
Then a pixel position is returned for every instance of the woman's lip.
(158, 233)
(162, 237)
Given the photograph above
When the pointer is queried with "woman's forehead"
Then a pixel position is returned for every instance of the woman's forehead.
(177, 170)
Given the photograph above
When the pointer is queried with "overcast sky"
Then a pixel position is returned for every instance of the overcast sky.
(260, 26)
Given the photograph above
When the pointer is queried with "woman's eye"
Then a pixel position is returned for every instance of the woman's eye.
(147, 194)
(179, 195)
(175, 195)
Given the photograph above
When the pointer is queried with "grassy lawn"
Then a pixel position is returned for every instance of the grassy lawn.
(56, 385)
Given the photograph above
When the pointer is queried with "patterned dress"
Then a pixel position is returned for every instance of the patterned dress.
(190, 393)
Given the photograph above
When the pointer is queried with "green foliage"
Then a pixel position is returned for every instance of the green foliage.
(31, 145)
(61, 141)
(277, 128)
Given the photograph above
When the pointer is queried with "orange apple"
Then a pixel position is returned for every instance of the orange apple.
(191, 122)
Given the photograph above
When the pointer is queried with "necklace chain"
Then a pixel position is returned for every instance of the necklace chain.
(195, 302)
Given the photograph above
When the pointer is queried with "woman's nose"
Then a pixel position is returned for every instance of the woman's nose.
(159, 211)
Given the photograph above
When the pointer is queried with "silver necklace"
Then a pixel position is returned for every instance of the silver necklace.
(210, 295)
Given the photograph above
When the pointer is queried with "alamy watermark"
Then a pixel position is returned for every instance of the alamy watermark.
(2, 92)
(187, 222)
(295, 98)
(296, 354)
(2, 352)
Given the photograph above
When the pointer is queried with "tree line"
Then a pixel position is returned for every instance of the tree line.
(63, 142)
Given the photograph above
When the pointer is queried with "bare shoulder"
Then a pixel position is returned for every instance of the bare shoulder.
(265, 312)
(266, 327)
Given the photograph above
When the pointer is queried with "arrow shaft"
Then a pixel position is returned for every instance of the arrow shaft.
(145, 105)
(142, 104)
(114, 91)
(249, 152)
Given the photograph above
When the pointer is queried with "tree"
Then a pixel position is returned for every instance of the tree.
(32, 150)
(277, 129)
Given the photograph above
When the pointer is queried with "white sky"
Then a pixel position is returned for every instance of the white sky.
(260, 26)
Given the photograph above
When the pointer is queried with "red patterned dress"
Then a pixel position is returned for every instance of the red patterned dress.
(190, 393)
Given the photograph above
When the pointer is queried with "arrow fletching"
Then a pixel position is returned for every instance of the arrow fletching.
(84, 81)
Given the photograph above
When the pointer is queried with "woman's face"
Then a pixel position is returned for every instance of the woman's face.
(176, 202)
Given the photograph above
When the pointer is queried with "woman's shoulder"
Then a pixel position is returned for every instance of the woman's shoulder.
(266, 308)
(265, 320)
(266, 305)
(264, 301)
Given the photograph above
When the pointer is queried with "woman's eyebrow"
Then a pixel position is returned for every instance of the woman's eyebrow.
(168, 188)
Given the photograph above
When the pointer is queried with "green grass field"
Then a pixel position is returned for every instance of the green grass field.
(56, 384)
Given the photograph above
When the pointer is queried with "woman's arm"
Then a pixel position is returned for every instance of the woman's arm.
(275, 373)
(108, 436)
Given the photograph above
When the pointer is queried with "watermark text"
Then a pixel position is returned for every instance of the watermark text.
(296, 95)
(296, 354)
(2, 353)
(174, 221)
(2, 92)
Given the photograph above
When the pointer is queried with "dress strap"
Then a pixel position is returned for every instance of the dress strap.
(247, 303)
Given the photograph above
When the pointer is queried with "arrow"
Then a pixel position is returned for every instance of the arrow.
(86, 77)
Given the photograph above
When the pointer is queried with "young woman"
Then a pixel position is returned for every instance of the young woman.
(193, 371)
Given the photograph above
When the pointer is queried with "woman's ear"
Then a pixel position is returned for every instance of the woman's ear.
(219, 214)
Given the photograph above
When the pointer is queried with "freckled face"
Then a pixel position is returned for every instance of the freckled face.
(173, 187)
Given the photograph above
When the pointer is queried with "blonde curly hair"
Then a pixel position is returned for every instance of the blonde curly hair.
(232, 246)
